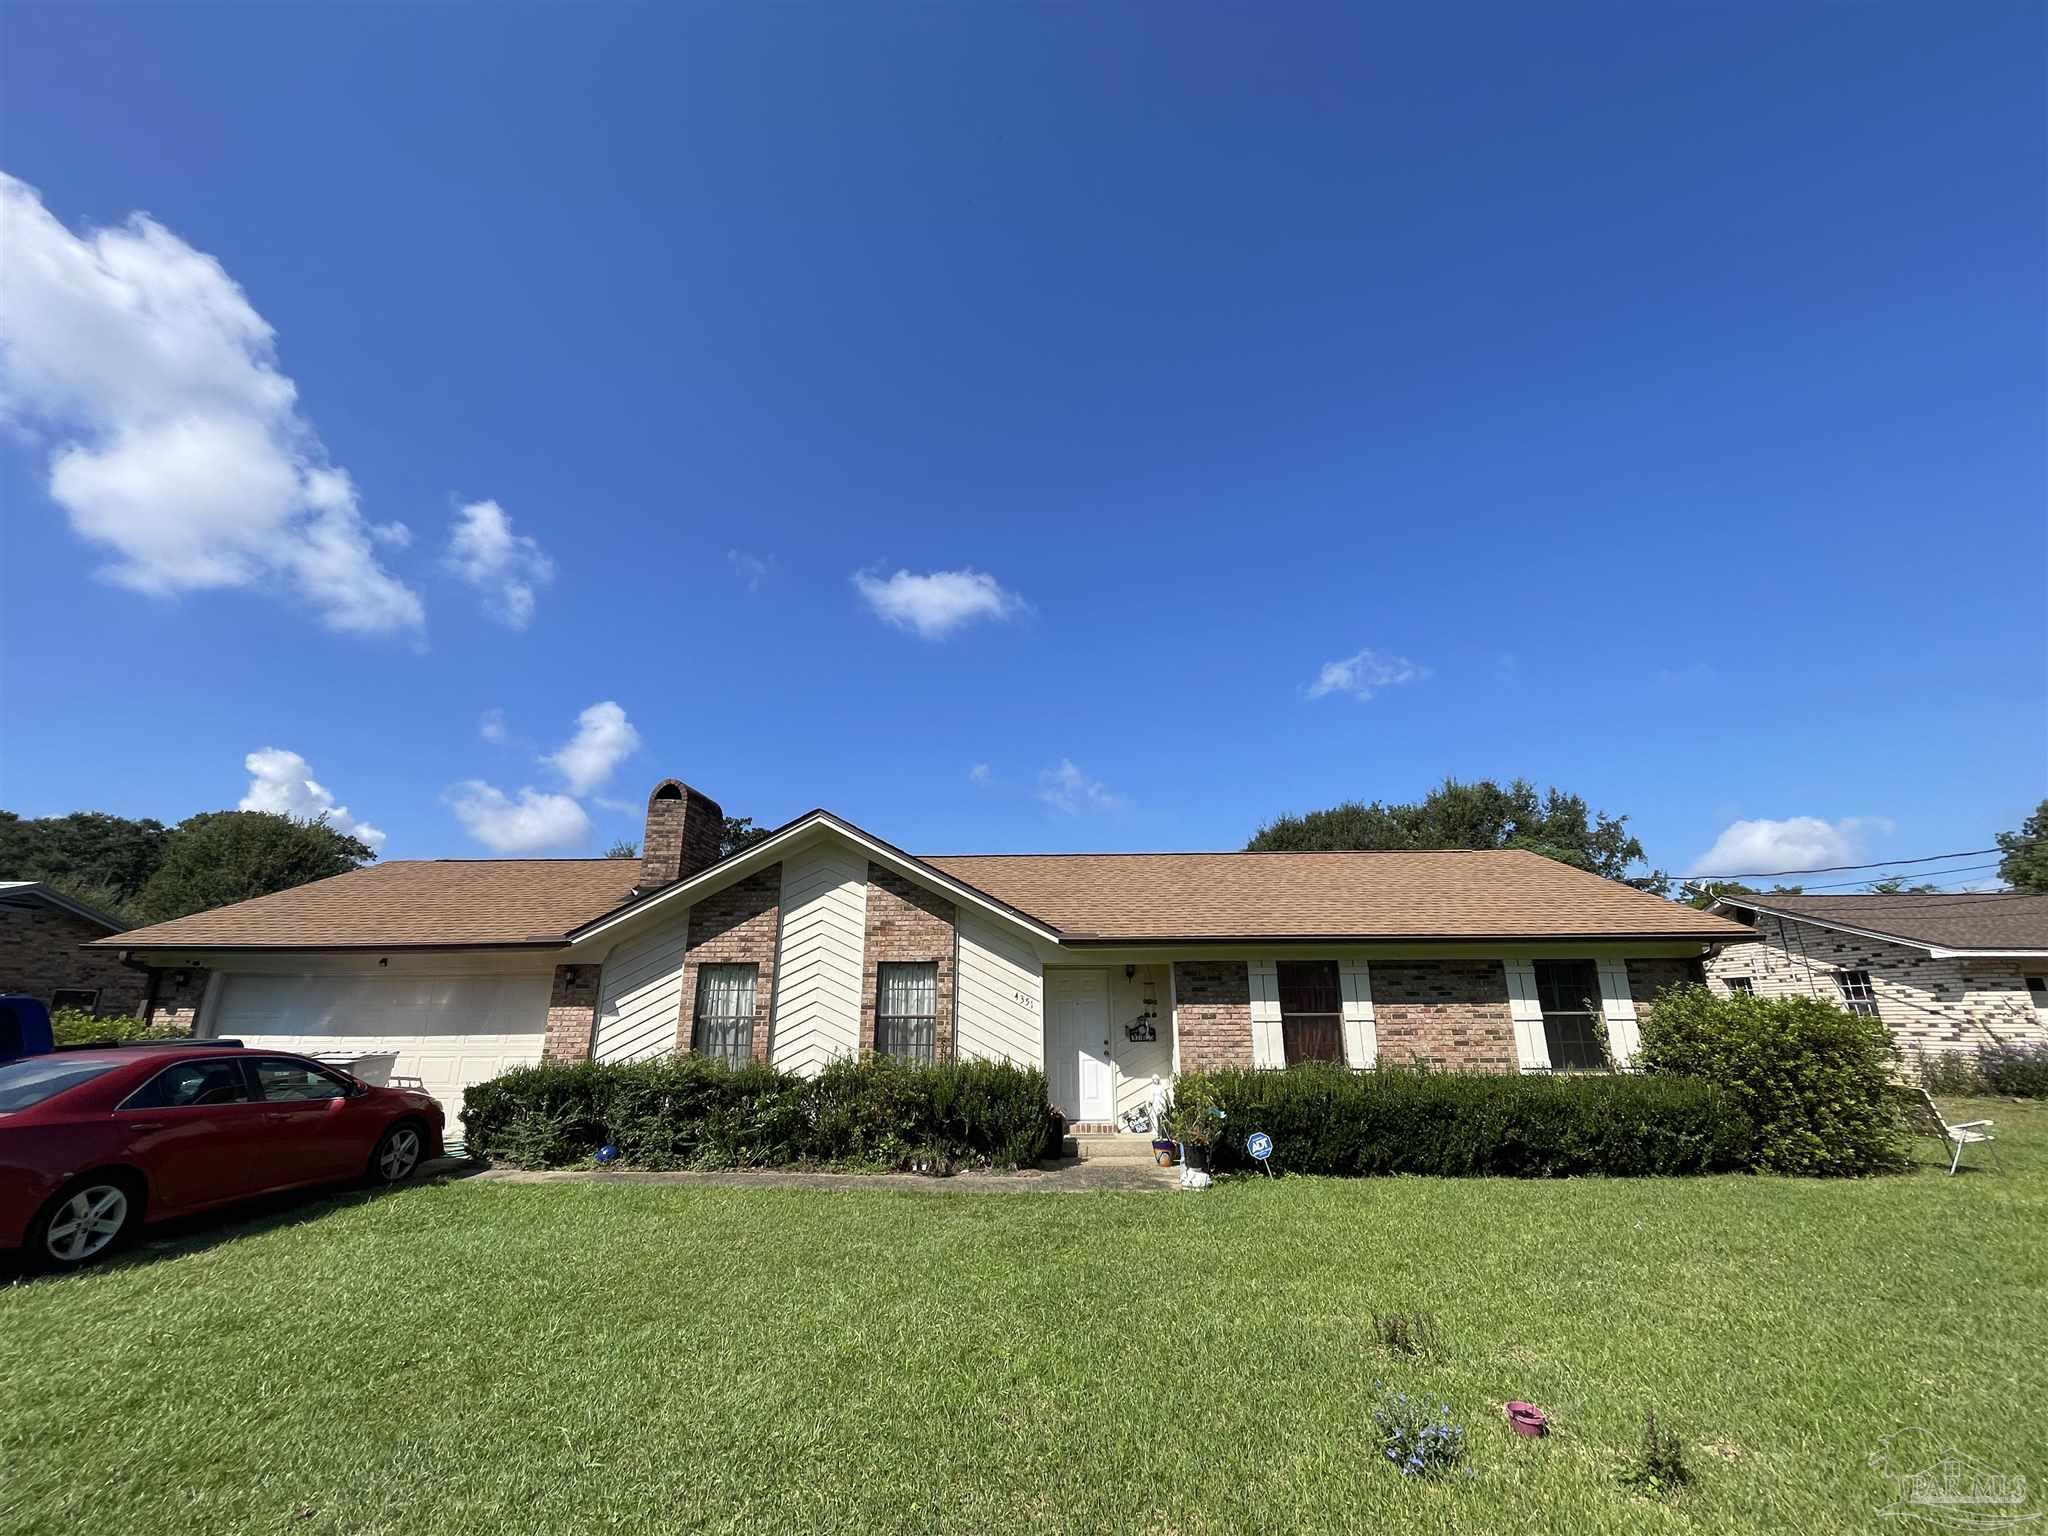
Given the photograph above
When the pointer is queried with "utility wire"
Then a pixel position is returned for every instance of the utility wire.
(1835, 869)
(1925, 874)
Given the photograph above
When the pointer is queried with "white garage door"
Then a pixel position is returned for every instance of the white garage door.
(449, 1031)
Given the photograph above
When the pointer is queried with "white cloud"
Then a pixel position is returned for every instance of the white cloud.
(1797, 842)
(1363, 673)
(935, 605)
(604, 738)
(534, 823)
(1067, 788)
(980, 773)
(749, 568)
(491, 726)
(504, 566)
(177, 442)
(283, 782)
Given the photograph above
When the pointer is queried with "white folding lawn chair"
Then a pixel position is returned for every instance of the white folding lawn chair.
(1966, 1133)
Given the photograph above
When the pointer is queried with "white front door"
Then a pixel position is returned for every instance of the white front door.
(1077, 1044)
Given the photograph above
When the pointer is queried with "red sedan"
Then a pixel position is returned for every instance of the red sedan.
(95, 1142)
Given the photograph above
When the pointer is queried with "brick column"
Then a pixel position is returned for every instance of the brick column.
(572, 1013)
(906, 922)
(736, 926)
(1212, 1002)
(176, 1005)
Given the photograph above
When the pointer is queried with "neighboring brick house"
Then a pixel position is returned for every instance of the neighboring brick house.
(821, 942)
(43, 939)
(1944, 971)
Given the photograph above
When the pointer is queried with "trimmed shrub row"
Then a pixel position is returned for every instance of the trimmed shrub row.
(2016, 1069)
(1330, 1120)
(1816, 1081)
(81, 1026)
(687, 1112)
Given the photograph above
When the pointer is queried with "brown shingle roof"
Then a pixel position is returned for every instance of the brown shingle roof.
(1465, 895)
(1962, 920)
(1123, 898)
(410, 902)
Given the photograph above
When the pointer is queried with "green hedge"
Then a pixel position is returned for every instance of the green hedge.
(1817, 1081)
(2019, 1069)
(80, 1026)
(686, 1112)
(1329, 1120)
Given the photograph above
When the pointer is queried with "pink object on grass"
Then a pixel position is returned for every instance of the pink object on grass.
(1528, 1419)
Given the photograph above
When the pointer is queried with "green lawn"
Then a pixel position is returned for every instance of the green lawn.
(483, 1357)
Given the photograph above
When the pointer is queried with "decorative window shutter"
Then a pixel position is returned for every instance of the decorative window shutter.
(1531, 1048)
(1618, 1008)
(1268, 1049)
(1361, 1035)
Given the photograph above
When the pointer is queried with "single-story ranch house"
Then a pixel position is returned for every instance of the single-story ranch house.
(45, 939)
(1943, 971)
(1111, 971)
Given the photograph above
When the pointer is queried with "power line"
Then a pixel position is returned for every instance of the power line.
(1933, 874)
(1835, 869)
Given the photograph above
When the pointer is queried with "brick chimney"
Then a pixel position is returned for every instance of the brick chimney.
(683, 829)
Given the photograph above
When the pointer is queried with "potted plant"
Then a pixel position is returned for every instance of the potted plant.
(1195, 1120)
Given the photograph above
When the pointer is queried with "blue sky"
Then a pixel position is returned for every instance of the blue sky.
(1028, 427)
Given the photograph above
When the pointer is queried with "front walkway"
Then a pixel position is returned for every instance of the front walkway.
(1067, 1177)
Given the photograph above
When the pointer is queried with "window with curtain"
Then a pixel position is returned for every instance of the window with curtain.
(724, 1027)
(1569, 993)
(907, 1009)
(1311, 1011)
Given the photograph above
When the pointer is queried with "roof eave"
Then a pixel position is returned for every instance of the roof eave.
(1104, 941)
(389, 946)
(771, 848)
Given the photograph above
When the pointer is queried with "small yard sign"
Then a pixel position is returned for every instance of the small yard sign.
(1260, 1145)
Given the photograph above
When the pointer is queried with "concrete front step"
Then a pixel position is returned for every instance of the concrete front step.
(1113, 1147)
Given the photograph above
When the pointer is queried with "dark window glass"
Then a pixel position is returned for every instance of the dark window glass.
(1857, 993)
(282, 1080)
(85, 998)
(907, 1009)
(1741, 986)
(1568, 991)
(23, 1083)
(191, 1085)
(724, 1021)
(1311, 1011)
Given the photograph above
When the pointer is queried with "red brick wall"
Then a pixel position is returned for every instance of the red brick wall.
(736, 926)
(1212, 1002)
(1452, 1013)
(39, 952)
(177, 1004)
(906, 922)
(681, 835)
(572, 1013)
(1646, 978)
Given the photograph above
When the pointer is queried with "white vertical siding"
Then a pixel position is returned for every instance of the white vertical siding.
(1531, 1046)
(817, 970)
(1361, 1033)
(1618, 1009)
(999, 993)
(640, 1006)
(1269, 1048)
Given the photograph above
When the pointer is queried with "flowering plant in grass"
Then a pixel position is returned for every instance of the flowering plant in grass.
(1420, 1443)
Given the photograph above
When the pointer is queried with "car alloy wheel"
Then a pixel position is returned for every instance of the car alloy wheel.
(399, 1155)
(84, 1225)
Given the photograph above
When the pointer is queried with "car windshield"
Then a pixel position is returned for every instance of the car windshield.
(23, 1083)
